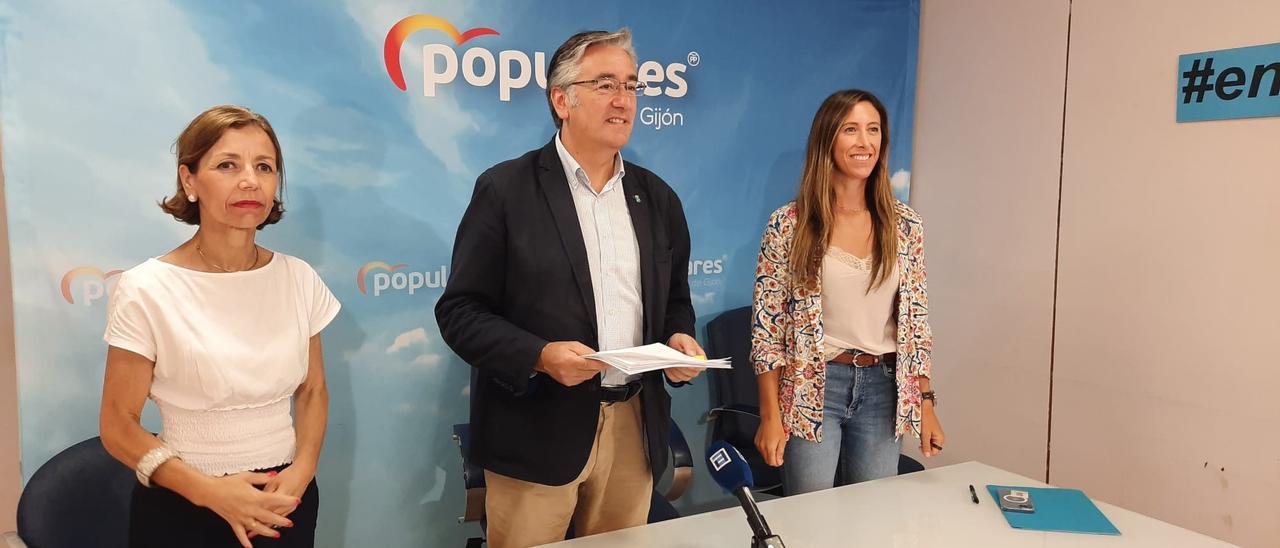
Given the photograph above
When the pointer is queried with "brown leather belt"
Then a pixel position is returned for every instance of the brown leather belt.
(862, 359)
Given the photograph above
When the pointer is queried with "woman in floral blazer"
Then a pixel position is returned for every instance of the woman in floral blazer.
(843, 373)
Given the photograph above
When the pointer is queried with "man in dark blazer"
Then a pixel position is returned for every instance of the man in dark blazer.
(564, 251)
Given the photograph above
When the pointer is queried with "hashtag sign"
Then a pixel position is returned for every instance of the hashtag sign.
(1197, 81)
(1227, 84)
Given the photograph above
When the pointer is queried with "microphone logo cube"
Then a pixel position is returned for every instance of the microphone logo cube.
(719, 459)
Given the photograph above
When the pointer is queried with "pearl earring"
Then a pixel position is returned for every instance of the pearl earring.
(191, 198)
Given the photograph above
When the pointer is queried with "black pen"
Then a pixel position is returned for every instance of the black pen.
(973, 494)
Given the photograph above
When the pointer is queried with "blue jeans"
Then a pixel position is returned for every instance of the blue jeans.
(858, 415)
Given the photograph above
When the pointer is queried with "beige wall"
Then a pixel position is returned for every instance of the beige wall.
(1166, 382)
(985, 178)
(10, 474)
(1163, 383)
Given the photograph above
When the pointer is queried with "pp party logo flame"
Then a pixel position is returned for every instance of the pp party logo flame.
(370, 267)
(414, 23)
(93, 283)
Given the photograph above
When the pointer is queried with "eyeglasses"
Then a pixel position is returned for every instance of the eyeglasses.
(609, 86)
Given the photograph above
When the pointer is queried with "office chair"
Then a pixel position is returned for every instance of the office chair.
(79, 498)
(736, 412)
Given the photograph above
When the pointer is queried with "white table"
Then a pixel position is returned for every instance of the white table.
(925, 509)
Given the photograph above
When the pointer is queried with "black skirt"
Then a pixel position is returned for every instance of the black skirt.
(160, 518)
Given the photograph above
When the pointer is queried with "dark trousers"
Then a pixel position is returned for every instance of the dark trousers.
(160, 518)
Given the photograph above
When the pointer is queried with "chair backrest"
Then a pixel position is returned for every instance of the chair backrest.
(729, 334)
(908, 465)
(79, 498)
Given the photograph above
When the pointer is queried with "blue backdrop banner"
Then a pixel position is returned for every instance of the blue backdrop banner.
(387, 112)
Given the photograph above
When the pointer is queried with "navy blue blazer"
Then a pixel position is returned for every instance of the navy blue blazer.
(520, 279)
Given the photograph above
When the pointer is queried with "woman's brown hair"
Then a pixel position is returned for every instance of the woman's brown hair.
(200, 136)
(815, 200)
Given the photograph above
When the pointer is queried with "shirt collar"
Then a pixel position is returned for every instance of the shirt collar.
(576, 175)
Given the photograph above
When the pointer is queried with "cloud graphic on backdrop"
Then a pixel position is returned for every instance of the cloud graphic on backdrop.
(702, 300)
(416, 338)
(900, 181)
(428, 360)
(437, 487)
(404, 340)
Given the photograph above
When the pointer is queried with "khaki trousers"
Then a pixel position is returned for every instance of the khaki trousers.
(612, 492)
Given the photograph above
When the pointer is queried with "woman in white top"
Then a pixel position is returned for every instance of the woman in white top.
(840, 336)
(223, 335)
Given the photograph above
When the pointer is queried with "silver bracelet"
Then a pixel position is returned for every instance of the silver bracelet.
(152, 460)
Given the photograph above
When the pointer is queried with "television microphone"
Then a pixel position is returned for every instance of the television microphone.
(731, 472)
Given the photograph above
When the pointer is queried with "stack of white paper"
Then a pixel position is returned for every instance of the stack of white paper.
(652, 357)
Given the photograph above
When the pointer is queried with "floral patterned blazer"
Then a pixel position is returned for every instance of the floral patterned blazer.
(787, 327)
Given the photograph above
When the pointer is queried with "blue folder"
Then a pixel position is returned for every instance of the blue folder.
(1065, 510)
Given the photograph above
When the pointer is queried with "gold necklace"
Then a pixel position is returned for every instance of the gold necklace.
(851, 210)
(223, 268)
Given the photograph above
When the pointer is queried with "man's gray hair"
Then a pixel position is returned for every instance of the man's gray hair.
(566, 63)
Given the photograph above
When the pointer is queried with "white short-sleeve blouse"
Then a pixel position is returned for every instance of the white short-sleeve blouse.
(229, 351)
